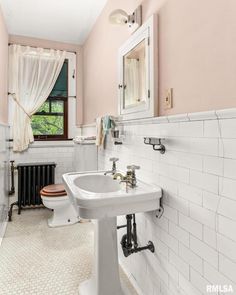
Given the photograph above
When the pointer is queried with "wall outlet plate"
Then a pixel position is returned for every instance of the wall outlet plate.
(169, 98)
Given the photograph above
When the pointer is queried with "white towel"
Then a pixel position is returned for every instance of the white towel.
(99, 132)
(84, 139)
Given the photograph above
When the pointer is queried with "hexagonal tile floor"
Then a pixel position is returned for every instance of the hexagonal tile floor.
(36, 259)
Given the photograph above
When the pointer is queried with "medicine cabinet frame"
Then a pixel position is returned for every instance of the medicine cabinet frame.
(148, 32)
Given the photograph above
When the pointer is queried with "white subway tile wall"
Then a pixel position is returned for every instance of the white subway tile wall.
(195, 239)
(4, 177)
(61, 154)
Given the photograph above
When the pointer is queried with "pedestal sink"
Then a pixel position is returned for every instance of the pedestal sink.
(101, 198)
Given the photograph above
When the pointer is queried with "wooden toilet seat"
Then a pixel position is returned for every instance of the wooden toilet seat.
(53, 190)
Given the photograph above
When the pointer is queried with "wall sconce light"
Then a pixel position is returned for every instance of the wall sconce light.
(121, 17)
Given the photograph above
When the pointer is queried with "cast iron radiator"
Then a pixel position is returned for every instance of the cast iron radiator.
(32, 177)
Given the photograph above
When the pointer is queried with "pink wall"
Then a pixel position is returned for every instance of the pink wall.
(197, 55)
(3, 69)
(60, 46)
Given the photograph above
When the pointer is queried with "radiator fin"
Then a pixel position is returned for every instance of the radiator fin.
(32, 177)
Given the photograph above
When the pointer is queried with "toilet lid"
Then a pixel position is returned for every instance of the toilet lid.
(54, 188)
(62, 194)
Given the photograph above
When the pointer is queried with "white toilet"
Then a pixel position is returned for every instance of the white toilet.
(64, 213)
(54, 196)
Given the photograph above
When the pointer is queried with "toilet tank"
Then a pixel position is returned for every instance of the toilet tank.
(86, 156)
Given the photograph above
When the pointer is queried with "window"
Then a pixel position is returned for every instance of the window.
(51, 120)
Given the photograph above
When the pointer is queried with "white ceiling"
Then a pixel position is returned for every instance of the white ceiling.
(59, 20)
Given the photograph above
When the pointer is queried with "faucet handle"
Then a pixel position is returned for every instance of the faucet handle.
(133, 167)
(114, 159)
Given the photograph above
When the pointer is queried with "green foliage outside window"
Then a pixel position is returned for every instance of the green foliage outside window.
(49, 124)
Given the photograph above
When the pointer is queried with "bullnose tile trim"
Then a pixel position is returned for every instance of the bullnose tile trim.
(178, 118)
(161, 120)
(226, 113)
(4, 124)
(200, 116)
(187, 117)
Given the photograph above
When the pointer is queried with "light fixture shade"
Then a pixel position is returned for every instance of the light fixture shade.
(119, 17)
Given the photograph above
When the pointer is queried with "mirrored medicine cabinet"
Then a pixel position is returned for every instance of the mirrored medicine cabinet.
(138, 81)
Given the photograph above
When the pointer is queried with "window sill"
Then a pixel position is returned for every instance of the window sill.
(51, 143)
(52, 139)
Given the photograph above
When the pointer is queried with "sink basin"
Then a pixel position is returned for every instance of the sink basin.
(97, 183)
(98, 196)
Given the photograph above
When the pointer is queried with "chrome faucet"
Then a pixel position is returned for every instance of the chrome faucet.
(113, 170)
(118, 175)
(129, 178)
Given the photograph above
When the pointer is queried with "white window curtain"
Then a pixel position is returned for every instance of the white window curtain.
(131, 81)
(32, 74)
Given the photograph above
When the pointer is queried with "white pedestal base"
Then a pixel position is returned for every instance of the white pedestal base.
(105, 278)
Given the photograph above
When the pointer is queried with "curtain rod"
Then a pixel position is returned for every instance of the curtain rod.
(41, 47)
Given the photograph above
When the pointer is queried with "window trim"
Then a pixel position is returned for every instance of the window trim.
(65, 115)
